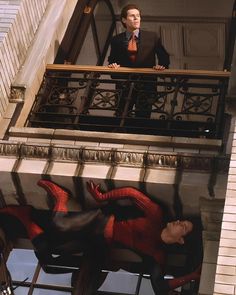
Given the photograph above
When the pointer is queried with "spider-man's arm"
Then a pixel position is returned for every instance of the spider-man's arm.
(23, 215)
(139, 199)
(161, 285)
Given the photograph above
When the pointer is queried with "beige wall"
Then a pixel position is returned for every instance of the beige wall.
(44, 33)
(189, 8)
(19, 23)
(225, 280)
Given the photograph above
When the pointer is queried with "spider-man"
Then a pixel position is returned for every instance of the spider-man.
(70, 232)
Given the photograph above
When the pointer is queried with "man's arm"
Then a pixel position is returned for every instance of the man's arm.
(112, 58)
(162, 55)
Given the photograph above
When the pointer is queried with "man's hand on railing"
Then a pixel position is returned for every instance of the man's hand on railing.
(159, 67)
(114, 65)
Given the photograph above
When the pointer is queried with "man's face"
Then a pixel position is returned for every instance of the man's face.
(132, 21)
(179, 229)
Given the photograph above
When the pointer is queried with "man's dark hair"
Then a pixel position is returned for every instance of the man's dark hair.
(125, 9)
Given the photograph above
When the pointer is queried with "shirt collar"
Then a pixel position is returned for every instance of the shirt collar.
(129, 34)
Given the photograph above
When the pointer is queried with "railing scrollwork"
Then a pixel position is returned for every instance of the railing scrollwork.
(143, 101)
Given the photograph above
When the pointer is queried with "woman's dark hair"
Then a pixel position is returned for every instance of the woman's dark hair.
(125, 9)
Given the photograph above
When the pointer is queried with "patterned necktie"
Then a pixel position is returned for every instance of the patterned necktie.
(132, 48)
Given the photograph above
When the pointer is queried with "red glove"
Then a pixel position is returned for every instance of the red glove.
(94, 190)
(139, 199)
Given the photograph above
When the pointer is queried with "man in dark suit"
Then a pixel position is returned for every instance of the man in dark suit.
(137, 48)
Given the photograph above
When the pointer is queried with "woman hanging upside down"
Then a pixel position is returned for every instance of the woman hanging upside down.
(66, 232)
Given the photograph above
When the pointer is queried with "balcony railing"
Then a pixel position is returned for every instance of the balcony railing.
(139, 101)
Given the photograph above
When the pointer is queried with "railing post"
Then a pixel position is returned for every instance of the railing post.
(174, 101)
(220, 117)
(127, 104)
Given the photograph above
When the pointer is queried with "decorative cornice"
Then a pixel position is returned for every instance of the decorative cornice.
(132, 158)
(94, 155)
(115, 157)
(17, 94)
(9, 149)
(34, 151)
(65, 154)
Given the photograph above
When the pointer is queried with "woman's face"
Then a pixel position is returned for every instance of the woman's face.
(179, 229)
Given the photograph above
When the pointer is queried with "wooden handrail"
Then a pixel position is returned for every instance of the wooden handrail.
(167, 72)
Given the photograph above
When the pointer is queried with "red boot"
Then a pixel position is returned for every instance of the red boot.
(23, 214)
(60, 195)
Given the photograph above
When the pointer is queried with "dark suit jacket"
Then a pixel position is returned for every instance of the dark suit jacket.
(149, 46)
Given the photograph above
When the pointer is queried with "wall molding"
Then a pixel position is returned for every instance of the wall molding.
(114, 157)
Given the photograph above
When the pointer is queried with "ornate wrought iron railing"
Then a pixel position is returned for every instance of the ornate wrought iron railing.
(139, 101)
